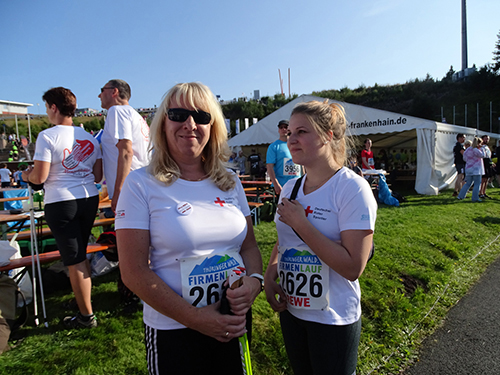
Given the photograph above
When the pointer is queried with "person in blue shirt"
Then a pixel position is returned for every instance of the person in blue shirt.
(280, 167)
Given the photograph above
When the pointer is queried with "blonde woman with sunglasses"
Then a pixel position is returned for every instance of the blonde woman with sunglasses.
(183, 224)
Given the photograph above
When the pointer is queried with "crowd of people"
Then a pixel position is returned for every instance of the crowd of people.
(475, 167)
(183, 224)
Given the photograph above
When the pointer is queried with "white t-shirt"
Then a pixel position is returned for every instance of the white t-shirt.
(345, 202)
(5, 175)
(185, 220)
(123, 122)
(72, 153)
(16, 175)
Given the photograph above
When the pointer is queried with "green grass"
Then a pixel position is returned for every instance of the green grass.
(433, 248)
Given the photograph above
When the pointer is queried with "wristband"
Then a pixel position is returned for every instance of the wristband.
(259, 277)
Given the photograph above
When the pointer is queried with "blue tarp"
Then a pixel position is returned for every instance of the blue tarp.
(384, 193)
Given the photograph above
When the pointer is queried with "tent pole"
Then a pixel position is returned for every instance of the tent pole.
(491, 117)
(477, 116)
(466, 115)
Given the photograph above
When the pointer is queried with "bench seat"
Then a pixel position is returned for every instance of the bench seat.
(49, 257)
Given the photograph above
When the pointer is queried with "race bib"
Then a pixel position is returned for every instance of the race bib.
(303, 278)
(203, 276)
(371, 162)
(289, 168)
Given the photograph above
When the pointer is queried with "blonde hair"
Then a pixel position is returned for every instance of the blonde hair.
(325, 119)
(215, 154)
(477, 141)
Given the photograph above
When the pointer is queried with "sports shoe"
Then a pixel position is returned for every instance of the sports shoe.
(78, 321)
(455, 194)
(487, 196)
(478, 201)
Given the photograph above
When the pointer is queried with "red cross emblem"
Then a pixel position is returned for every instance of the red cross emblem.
(218, 201)
(308, 211)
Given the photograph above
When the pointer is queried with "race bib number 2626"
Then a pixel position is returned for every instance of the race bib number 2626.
(303, 278)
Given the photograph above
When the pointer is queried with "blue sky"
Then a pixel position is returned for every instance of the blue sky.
(234, 47)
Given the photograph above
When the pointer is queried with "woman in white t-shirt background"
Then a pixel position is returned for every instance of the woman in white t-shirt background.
(324, 242)
(182, 224)
(68, 162)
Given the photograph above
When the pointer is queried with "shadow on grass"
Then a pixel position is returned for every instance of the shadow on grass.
(487, 220)
(106, 302)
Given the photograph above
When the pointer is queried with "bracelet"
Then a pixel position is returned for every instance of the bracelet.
(259, 277)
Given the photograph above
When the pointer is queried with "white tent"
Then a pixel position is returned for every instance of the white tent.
(434, 141)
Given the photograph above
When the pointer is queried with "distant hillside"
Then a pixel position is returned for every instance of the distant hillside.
(425, 98)
(419, 97)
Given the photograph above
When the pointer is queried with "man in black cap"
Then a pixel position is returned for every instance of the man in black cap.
(280, 167)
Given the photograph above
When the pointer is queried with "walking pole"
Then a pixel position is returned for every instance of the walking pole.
(235, 280)
(34, 244)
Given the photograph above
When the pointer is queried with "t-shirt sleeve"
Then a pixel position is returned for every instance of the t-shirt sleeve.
(132, 211)
(120, 121)
(271, 155)
(357, 206)
(98, 150)
(43, 150)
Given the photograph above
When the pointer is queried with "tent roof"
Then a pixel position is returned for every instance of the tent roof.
(361, 121)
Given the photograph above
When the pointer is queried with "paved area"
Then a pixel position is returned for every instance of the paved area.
(469, 341)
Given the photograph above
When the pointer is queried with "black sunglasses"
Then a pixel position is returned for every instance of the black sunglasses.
(181, 115)
(106, 88)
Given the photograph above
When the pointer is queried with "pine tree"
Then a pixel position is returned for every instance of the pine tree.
(496, 56)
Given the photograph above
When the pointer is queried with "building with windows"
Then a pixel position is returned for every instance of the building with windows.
(8, 108)
(86, 112)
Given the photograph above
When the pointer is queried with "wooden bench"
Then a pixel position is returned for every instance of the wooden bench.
(255, 211)
(49, 257)
(26, 235)
(406, 178)
(263, 196)
(2, 200)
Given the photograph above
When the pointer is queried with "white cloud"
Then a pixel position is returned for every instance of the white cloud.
(378, 7)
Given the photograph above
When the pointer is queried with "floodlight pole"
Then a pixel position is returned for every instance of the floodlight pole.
(29, 128)
(17, 128)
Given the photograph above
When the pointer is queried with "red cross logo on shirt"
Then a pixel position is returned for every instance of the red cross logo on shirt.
(218, 201)
(308, 211)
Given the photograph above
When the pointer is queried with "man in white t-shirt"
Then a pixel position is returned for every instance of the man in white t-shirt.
(125, 138)
(5, 176)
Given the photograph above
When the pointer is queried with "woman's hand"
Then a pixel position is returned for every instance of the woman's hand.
(275, 296)
(291, 213)
(241, 299)
(210, 322)
(26, 174)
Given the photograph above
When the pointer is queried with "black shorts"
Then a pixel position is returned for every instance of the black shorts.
(189, 352)
(71, 223)
(315, 348)
(488, 172)
(6, 184)
(488, 168)
(460, 168)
